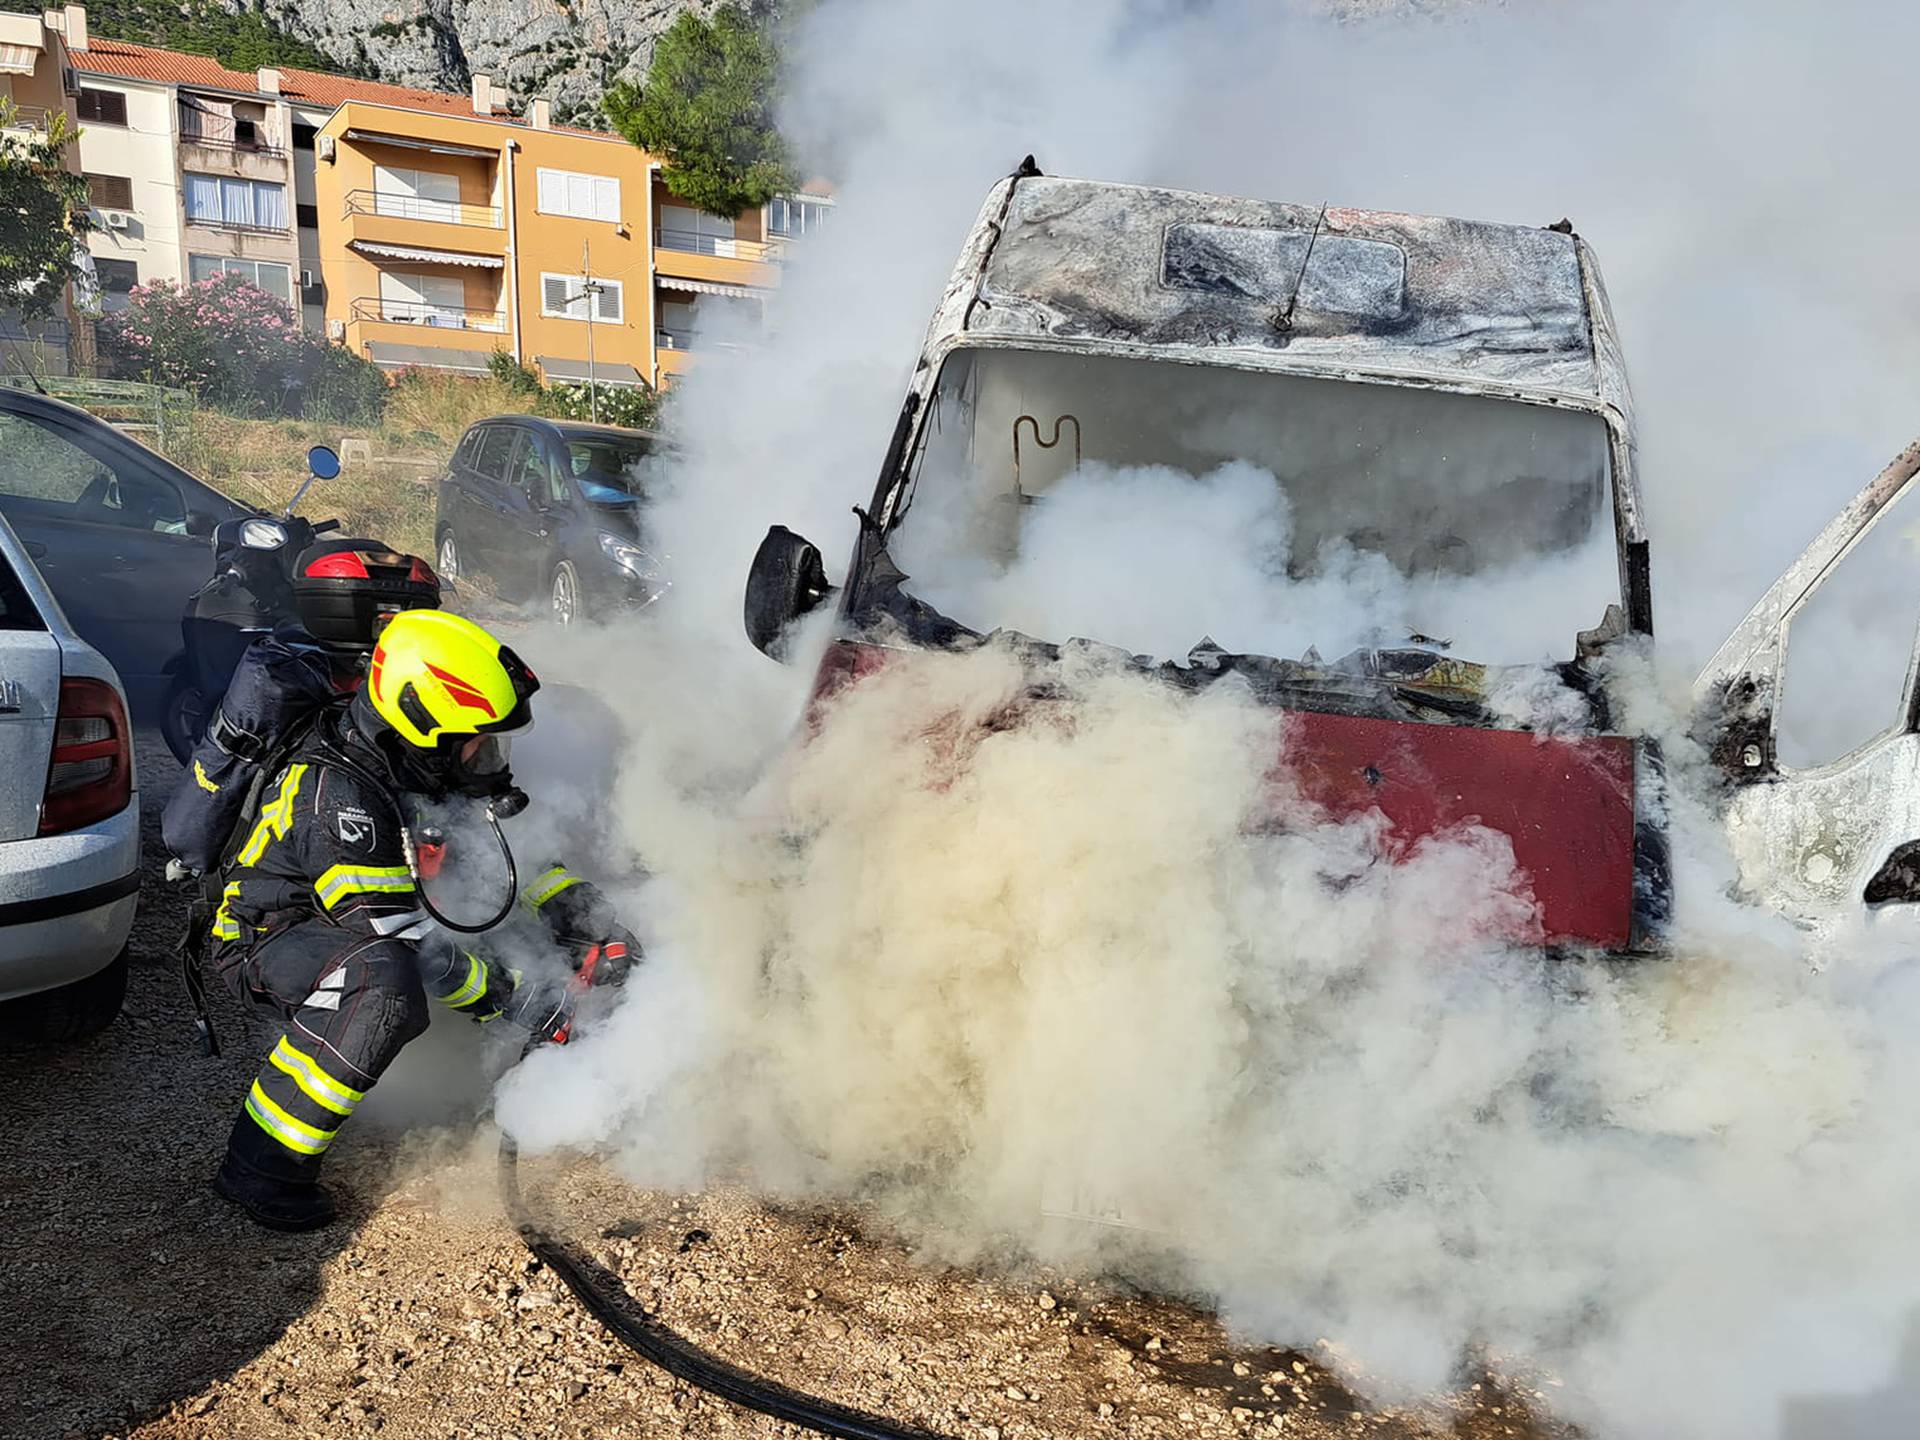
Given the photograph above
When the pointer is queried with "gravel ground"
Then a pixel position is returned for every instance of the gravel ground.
(140, 1305)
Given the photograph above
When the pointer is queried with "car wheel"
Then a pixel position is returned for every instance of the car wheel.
(183, 717)
(565, 593)
(70, 1012)
(449, 566)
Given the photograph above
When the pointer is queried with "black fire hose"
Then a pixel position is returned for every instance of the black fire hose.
(609, 1302)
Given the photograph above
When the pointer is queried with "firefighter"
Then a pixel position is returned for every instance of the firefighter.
(320, 918)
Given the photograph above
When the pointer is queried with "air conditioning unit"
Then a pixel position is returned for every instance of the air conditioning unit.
(116, 219)
(336, 329)
(323, 147)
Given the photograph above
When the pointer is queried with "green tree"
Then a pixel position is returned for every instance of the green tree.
(706, 109)
(43, 216)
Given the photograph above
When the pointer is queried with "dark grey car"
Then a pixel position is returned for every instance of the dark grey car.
(549, 512)
(118, 532)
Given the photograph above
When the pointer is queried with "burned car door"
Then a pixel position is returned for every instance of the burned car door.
(1819, 840)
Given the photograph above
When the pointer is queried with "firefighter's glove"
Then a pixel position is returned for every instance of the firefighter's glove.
(543, 1009)
(607, 961)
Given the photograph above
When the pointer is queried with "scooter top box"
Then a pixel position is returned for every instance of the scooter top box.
(348, 589)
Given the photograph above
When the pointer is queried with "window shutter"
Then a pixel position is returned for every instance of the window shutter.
(606, 195)
(608, 302)
(556, 293)
(580, 196)
(553, 192)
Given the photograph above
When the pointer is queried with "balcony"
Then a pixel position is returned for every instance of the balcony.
(248, 159)
(427, 315)
(411, 223)
(717, 259)
(415, 207)
(30, 117)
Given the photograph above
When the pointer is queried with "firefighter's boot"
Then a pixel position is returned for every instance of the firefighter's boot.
(262, 1180)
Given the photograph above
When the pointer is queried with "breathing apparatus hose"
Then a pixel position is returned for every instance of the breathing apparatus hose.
(609, 1302)
(426, 901)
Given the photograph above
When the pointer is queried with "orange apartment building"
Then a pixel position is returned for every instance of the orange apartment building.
(451, 232)
(419, 228)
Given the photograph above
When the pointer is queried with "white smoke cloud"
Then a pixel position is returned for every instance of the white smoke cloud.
(939, 966)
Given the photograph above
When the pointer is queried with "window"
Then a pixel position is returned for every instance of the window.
(101, 107)
(684, 228)
(231, 202)
(584, 197)
(564, 296)
(110, 192)
(274, 279)
(494, 451)
(307, 217)
(1849, 645)
(422, 299)
(117, 279)
(17, 612)
(42, 464)
(303, 136)
(787, 216)
(531, 475)
(416, 194)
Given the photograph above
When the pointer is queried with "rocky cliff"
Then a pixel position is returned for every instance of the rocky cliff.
(564, 50)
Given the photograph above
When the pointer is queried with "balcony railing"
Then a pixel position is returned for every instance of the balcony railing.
(242, 227)
(416, 207)
(421, 312)
(723, 246)
(30, 117)
(682, 340)
(235, 147)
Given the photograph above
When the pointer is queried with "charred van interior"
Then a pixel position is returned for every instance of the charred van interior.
(1148, 504)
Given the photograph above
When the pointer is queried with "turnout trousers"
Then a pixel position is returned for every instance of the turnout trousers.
(351, 1003)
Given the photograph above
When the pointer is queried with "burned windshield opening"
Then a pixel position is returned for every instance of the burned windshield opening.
(1151, 505)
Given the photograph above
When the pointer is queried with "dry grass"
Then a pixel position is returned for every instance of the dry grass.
(262, 462)
(440, 407)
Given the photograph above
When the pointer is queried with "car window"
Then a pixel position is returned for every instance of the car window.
(608, 462)
(493, 452)
(17, 612)
(530, 473)
(51, 467)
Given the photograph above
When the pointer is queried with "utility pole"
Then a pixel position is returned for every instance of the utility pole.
(589, 293)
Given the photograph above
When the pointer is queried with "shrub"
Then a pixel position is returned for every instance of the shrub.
(240, 349)
(512, 373)
(634, 406)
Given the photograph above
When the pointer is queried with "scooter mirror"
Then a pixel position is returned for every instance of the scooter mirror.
(322, 461)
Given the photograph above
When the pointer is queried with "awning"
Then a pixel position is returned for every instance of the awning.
(429, 257)
(427, 357)
(711, 287)
(605, 372)
(374, 137)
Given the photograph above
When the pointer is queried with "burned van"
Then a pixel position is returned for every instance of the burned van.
(1381, 468)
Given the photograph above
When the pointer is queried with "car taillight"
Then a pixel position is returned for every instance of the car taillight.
(422, 573)
(341, 565)
(91, 774)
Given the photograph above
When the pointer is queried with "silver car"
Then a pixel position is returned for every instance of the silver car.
(69, 817)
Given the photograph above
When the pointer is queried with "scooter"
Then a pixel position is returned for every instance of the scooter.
(270, 569)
